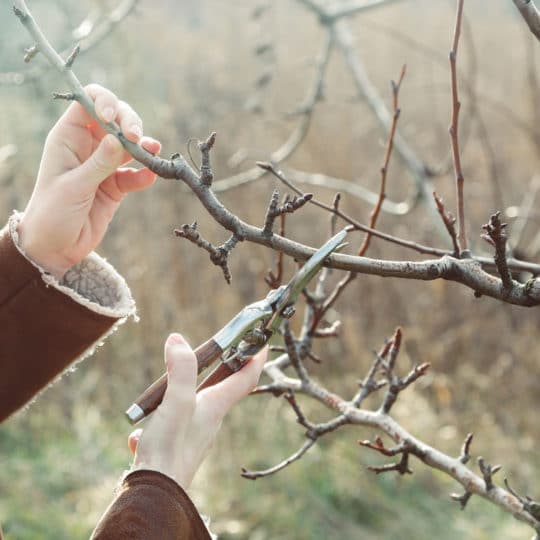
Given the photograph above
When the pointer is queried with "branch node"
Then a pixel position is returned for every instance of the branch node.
(488, 471)
(496, 236)
(20, 14)
(449, 222)
(30, 53)
(71, 58)
(67, 96)
(218, 255)
(206, 176)
(402, 467)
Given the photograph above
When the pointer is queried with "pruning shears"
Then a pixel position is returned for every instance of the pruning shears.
(244, 335)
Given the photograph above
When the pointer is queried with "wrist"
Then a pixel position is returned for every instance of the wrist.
(33, 250)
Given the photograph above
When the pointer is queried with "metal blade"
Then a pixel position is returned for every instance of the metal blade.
(300, 280)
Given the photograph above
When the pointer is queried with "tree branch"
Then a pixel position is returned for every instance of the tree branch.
(454, 135)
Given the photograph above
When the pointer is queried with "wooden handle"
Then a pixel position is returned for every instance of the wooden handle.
(149, 400)
(222, 371)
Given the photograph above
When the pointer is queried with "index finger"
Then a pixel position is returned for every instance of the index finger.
(105, 103)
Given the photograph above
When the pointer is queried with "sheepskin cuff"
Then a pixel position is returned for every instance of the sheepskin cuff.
(92, 283)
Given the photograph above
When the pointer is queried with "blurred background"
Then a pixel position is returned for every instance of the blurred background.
(242, 69)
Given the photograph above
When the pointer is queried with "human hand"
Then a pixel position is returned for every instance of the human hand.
(180, 432)
(81, 182)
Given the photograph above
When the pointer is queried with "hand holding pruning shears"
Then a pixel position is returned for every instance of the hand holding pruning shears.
(244, 335)
(179, 434)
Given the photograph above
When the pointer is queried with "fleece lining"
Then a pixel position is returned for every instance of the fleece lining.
(93, 283)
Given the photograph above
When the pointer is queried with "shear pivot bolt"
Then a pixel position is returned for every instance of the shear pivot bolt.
(288, 312)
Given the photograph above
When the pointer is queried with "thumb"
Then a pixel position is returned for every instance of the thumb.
(105, 160)
(226, 393)
(182, 374)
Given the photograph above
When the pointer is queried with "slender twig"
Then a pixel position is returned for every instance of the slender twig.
(453, 130)
(253, 475)
(449, 221)
(386, 161)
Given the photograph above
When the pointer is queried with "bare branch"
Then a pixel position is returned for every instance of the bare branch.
(386, 161)
(432, 457)
(454, 135)
(253, 475)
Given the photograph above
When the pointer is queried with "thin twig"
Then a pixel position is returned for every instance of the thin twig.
(453, 130)
(386, 161)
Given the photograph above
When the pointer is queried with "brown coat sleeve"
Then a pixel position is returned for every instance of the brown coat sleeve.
(151, 506)
(44, 325)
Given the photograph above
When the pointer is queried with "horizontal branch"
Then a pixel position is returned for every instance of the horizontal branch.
(466, 271)
(453, 467)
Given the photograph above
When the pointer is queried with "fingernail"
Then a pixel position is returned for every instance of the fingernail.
(108, 114)
(136, 130)
(176, 339)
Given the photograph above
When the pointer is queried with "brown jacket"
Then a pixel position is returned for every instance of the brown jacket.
(44, 327)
